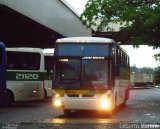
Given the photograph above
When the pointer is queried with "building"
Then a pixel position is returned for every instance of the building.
(38, 23)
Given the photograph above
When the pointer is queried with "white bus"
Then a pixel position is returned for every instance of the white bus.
(27, 75)
(90, 74)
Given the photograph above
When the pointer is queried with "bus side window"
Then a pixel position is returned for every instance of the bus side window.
(10, 66)
(30, 61)
(24, 65)
(118, 56)
(13, 60)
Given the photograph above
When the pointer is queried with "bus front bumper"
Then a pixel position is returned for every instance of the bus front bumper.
(104, 104)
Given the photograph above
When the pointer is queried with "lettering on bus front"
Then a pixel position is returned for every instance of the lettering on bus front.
(26, 76)
(93, 57)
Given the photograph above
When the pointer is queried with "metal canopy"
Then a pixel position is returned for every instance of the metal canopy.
(16, 30)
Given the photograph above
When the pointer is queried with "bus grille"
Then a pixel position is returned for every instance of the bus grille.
(87, 95)
(75, 95)
(72, 95)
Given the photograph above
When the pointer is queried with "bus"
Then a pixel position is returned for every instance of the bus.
(2, 73)
(26, 75)
(91, 73)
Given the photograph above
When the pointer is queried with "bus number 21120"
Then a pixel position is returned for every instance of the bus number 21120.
(26, 76)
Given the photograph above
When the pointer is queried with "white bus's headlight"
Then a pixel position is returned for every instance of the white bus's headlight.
(57, 95)
(105, 104)
(58, 103)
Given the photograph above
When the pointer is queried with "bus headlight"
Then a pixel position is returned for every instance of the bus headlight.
(57, 95)
(105, 104)
(58, 103)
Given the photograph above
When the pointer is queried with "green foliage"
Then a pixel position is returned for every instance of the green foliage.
(139, 18)
(157, 57)
(144, 70)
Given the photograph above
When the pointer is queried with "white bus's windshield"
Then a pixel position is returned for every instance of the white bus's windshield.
(96, 73)
(81, 74)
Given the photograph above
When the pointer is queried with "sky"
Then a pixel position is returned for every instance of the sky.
(78, 5)
(140, 57)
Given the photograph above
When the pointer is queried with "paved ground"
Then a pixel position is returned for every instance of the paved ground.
(143, 108)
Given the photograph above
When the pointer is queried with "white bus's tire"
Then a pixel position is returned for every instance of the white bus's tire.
(9, 98)
(45, 94)
(124, 103)
(67, 112)
(126, 98)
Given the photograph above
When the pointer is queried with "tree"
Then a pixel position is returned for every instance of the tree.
(157, 57)
(157, 75)
(144, 70)
(139, 19)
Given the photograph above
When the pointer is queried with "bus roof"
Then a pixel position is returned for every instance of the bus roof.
(88, 40)
(85, 39)
(25, 49)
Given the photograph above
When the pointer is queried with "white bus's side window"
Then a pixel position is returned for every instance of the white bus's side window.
(23, 60)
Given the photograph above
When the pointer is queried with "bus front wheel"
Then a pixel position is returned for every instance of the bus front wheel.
(67, 112)
(45, 94)
(9, 98)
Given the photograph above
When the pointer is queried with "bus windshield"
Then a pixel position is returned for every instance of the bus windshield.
(81, 74)
(68, 74)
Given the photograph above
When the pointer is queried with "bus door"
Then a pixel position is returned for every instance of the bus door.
(2, 72)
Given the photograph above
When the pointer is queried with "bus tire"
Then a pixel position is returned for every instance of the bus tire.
(9, 98)
(126, 98)
(67, 112)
